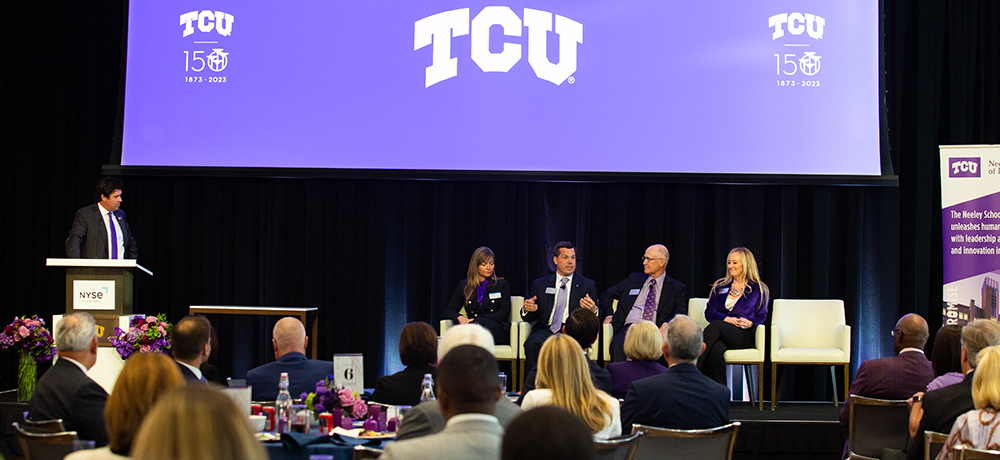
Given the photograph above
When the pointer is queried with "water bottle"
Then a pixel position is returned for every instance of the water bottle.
(283, 405)
(427, 389)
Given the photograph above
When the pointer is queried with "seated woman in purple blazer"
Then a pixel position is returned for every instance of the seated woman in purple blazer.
(643, 347)
(736, 306)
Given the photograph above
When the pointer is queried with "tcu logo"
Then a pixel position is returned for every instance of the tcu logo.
(963, 167)
(439, 29)
(797, 23)
(207, 20)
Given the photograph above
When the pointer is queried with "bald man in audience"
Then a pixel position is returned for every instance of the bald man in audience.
(290, 343)
(427, 418)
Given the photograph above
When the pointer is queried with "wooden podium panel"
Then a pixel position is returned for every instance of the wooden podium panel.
(118, 271)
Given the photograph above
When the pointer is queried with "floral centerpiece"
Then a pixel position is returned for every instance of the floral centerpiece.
(144, 334)
(33, 343)
(327, 397)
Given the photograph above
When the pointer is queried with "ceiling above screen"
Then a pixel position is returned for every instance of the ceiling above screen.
(628, 86)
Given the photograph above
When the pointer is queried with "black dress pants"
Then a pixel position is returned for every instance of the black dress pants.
(720, 336)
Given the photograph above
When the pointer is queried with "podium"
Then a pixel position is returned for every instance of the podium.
(101, 285)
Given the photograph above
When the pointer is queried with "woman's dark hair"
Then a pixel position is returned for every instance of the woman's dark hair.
(418, 344)
(947, 354)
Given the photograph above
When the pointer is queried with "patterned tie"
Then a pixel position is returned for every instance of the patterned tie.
(114, 236)
(560, 307)
(649, 310)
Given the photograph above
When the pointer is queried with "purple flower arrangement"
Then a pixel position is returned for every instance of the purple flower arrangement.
(327, 397)
(29, 335)
(144, 334)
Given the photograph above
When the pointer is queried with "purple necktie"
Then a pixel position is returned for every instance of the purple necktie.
(649, 310)
(560, 307)
(114, 236)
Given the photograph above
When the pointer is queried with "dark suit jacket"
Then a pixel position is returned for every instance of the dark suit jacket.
(303, 373)
(673, 299)
(65, 392)
(600, 377)
(189, 376)
(941, 408)
(680, 398)
(625, 372)
(88, 237)
(581, 288)
(402, 388)
(493, 314)
(894, 377)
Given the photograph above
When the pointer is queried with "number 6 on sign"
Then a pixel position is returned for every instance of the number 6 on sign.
(349, 371)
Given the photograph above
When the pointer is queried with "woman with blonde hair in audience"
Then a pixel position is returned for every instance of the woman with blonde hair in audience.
(978, 427)
(195, 422)
(142, 380)
(563, 380)
(643, 346)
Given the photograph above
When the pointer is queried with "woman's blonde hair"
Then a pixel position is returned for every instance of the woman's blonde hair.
(750, 273)
(643, 342)
(562, 368)
(195, 422)
(142, 380)
(481, 255)
(986, 383)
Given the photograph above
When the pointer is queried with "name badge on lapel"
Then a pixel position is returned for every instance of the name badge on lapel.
(495, 295)
(550, 290)
(634, 292)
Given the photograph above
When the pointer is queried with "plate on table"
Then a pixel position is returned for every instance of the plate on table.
(358, 433)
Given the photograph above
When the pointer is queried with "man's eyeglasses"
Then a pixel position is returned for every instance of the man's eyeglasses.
(647, 259)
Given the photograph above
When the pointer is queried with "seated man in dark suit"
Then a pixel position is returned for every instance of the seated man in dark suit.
(427, 417)
(65, 391)
(290, 343)
(682, 397)
(191, 345)
(937, 410)
(648, 296)
(100, 230)
(583, 326)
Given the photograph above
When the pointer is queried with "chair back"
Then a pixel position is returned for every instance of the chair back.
(365, 452)
(807, 323)
(622, 448)
(696, 310)
(45, 446)
(42, 426)
(516, 304)
(971, 453)
(876, 424)
(933, 442)
(709, 444)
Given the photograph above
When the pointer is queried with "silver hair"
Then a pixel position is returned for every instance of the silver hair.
(75, 332)
(465, 334)
(684, 337)
(978, 335)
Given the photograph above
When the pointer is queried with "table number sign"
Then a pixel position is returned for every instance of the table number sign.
(349, 371)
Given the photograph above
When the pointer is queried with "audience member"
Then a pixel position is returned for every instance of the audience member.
(937, 410)
(647, 296)
(894, 377)
(208, 370)
(978, 427)
(643, 346)
(190, 344)
(195, 422)
(468, 388)
(65, 391)
(427, 417)
(290, 342)
(946, 357)
(142, 380)
(583, 326)
(564, 381)
(418, 352)
(682, 397)
(548, 433)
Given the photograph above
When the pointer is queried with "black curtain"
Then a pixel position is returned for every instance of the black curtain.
(374, 254)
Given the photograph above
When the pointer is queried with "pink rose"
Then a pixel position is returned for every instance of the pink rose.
(346, 397)
(162, 330)
(144, 327)
(360, 409)
(144, 348)
(23, 331)
(150, 319)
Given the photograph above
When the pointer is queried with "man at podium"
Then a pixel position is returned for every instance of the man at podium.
(100, 230)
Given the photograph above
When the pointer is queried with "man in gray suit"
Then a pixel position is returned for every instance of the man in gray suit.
(468, 389)
(427, 417)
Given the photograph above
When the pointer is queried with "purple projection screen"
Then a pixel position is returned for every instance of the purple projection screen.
(778, 87)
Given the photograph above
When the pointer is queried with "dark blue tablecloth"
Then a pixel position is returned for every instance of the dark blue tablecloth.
(299, 446)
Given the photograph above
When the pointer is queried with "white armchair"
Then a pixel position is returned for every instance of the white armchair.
(744, 356)
(810, 332)
(513, 352)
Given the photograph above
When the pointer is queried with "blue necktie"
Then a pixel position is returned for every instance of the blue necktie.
(114, 236)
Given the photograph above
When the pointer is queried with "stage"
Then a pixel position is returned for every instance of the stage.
(794, 430)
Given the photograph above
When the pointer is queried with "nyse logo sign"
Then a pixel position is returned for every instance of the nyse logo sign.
(93, 295)
(797, 23)
(206, 21)
(963, 167)
(438, 30)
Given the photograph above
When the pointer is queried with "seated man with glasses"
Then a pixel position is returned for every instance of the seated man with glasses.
(648, 296)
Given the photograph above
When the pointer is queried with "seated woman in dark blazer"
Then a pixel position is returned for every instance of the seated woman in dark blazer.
(418, 352)
(485, 297)
(643, 346)
(736, 306)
